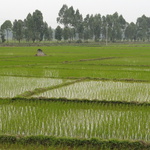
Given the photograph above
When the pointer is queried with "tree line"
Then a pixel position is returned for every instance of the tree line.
(33, 28)
(74, 27)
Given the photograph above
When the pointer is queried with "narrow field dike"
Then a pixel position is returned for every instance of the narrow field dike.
(53, 143)
(94, 59)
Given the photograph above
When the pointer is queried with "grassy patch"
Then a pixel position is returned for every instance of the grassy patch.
(45, 142)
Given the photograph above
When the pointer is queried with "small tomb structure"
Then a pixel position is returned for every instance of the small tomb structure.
(40, 53)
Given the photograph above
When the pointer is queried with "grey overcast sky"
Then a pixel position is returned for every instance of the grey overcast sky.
(19, 9)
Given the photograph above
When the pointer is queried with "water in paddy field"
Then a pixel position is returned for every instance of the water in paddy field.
(103, 90)
(12, 86)
(100, 90)
(77, 120)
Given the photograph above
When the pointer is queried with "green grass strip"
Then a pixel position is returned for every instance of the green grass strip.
(74, 142)
(8, 100)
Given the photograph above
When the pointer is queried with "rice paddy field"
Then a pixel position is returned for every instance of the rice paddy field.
(97, 97)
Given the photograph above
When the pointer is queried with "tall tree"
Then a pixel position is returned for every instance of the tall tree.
(34, 26)
(58, 33)
(6, 27)
(66, 16)
(63, 16)
(51, 31)
(130, 32)
(66, 33)
(7, 24)
(122, 25)
(47, 32)
(38, 25)
(78, 24)
(18, 30)
(115, 25)
(104, 28)
(91, 26)
(29, 28)
(86, 32)
(72, 34)
(143, 28)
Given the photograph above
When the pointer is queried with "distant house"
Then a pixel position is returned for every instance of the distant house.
(40, 53)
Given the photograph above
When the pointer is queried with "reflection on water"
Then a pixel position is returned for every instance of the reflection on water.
(12, 86)
(103, 90)
(79, 120)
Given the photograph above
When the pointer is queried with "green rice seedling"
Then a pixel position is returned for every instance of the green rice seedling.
(76, 120)
(103, 90)
(12, 86)
(120, 62)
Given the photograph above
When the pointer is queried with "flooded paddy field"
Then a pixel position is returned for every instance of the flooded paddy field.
(13, 86)
(110, 74)
(76, 120)
(103, 90)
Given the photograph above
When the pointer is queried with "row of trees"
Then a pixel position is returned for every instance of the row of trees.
(93, 27)
(110, 27)
(33, 28)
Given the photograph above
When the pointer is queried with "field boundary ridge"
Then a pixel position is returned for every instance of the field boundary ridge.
(74, 142)
(134, 103)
